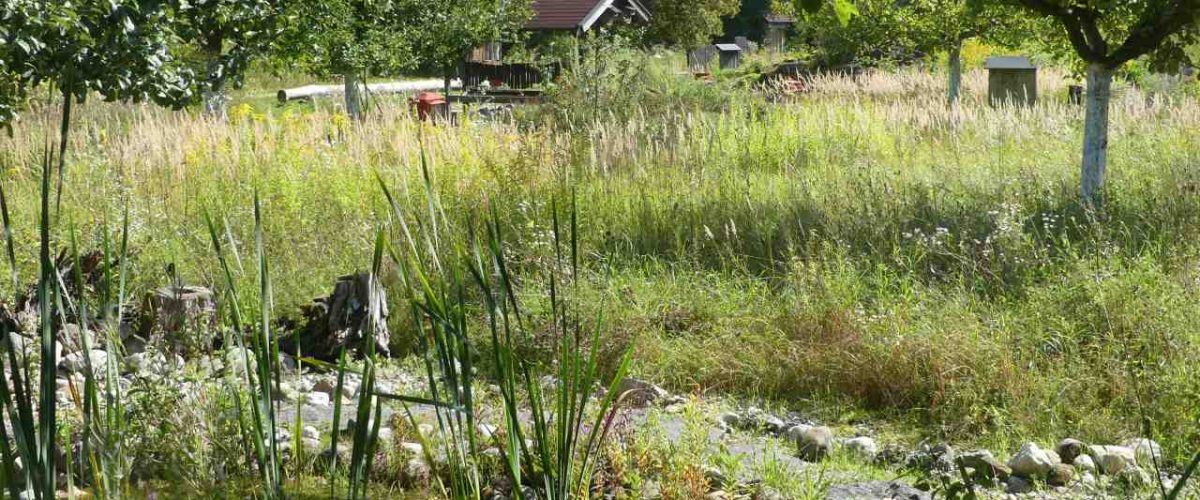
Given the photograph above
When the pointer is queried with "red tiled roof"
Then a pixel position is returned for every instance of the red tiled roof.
(574, 14)
(560, 14)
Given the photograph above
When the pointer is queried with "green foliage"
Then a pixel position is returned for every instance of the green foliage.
(118, 49)
(688, 24)
(337, 37)
(1112, 32)
(444, 31)
(229, 34)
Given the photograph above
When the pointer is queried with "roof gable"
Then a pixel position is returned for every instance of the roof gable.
(580, 14)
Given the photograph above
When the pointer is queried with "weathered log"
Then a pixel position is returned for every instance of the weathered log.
(310, 91)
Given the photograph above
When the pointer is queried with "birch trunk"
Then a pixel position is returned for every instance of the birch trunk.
(955, 70)
(353, 95)
(1095, 131)
(215, 102)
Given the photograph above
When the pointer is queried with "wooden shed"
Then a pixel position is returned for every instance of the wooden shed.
(730, 55)
(776, 36)
(1011, 79)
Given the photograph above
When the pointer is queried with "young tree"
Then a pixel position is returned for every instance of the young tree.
(446, 30)
(351, 38)
(1158, 28)
(689, 23)
(228, 34)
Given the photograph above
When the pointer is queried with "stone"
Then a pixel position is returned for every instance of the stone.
(816, 443)
(385, 434)
(876, 490)
(716, 495)
(862, 447)
(1113, 459)
(317, 399)
(1085, 463)
(651, 490)
(326, 386)
(1145, 451)
(1069, 448)
(416, 470)
(1030, 462)
(795, 432)
(728, 420)
(985, 465)
(1017, 485)
(487, 430)
(311, 445)
(1135, 477)
(639, 393)
(414, 448)
(236, 359)
(183, 316)
(311, 432)
(76, 362)
(716, 479)
(1060, 475)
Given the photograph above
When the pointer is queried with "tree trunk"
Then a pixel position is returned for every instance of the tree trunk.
(353, 95)
(955, 70)
(214, 99)
(215, 102)
(1095, 131)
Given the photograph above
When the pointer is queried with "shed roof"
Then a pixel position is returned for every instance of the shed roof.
(728, 47)
(1009, 62)
(580, 14)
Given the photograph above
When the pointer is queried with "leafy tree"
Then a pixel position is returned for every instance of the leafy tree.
(936, 25)
(689, 23)
(118, 49)
(444, 31)
(351, 38)
(1106, 34)
(228, 34)
(877, 30)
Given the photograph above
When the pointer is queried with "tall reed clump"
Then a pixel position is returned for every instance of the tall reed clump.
(265, 378)
(552, 452)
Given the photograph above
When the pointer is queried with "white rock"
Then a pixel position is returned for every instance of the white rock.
(1113, 459)
(1085, 463)
(486, 430)
(862, 446)
(795, 432)
(385, 434)
(317, 399)
(414, 448)
(311, 432)
(1146, 451)
(76, 363)
(1031, 462)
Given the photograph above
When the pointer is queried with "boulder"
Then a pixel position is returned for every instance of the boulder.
(183, 317)
(1146, 451)
(343, 319)
(1060, 475)
(1135, 477)
(795, 432)
(1069, 448)
(317, 399)
(1085, 463)
(1113, 459)
(862, 447)
(816, 443)
(76, 362)
(876, 490)
(1017, 485)
(987, 468)
(639, 393)
(1031, 462)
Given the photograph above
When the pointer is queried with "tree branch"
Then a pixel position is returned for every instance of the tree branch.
(1153, 28)
(1075, 31)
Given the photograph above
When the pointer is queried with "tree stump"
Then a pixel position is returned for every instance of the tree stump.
(182, 317)
(342, 319)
